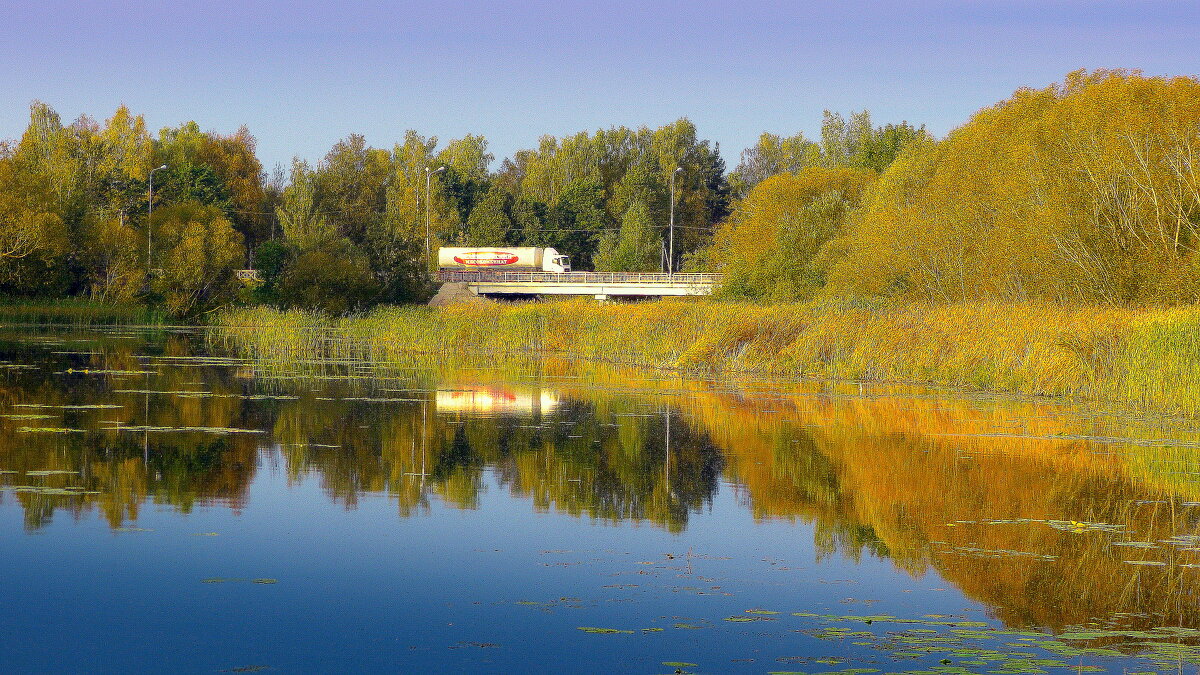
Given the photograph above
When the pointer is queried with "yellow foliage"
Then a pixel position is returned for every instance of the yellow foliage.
(769, 245)
(1085, 190)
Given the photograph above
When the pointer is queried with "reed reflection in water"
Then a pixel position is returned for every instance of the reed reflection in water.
(1052, 516)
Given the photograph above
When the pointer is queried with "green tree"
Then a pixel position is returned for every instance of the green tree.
(878, 150)
(198, 251)
(271, 259)
(333, 277)
(605, 158)
(351, 186)
(641, 184)
(637, 247)
(491, 222)
(397, 263)
(530, 218)
(771, 156)
(188, 182)
(303, 224)
(577, 220)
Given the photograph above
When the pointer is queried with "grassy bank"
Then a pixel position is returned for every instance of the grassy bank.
(1149, 358)
(77, 312)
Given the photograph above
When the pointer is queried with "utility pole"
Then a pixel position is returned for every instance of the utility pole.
(671, 249)
(150, 212)
(428, 178)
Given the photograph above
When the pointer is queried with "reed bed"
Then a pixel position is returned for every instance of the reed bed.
(1148, 358)
(77, 312)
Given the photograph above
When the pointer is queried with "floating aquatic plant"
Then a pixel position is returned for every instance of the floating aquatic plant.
(208, 430)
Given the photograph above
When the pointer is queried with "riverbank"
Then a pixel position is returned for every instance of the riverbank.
(78, 312)
(1147, 358)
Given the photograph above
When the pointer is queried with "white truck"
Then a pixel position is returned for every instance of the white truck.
(515, 259)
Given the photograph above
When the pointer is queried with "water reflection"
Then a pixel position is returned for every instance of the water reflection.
(1049, 516)
(486, 400)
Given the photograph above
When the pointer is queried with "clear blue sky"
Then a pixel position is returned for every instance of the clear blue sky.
(301, 75)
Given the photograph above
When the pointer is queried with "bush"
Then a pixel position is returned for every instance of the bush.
(198, 251)
(333, 277)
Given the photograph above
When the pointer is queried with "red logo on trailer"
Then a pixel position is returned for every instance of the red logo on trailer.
(486, 258)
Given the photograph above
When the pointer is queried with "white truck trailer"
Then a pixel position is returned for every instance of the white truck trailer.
(515, 259)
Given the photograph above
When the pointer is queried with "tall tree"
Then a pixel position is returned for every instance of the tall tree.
(491, 222)
(352, 186)
(198, 251)
(771, 156)
(465, 180)
(234, 163)
(577, 219)
(637, 247)
(303, 223)
(1085, 190)
(770, 248)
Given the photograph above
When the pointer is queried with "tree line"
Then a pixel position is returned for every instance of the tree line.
(1085, 191)
(78, 219)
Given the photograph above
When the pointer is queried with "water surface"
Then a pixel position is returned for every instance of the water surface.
(167, 505)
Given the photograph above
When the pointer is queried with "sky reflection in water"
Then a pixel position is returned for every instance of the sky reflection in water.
(323, 517)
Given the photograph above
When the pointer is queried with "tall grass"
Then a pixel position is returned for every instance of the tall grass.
(1149, 358)
(77, 311)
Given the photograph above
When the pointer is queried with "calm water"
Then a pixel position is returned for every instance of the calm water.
(167, 507)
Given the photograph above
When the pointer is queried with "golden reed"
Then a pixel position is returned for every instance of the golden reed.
(1145, 357)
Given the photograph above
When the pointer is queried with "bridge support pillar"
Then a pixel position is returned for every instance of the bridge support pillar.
(601, 297)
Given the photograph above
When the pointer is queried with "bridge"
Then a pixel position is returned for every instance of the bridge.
(600, 285)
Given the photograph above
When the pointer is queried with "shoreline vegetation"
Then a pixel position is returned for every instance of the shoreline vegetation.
(1048, 246)
(78, 312)
(1144, 358)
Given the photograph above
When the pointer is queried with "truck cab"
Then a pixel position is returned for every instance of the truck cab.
(556, 262)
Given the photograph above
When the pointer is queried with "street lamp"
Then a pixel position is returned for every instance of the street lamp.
(150, 212)
(671, 249)
(428, 177)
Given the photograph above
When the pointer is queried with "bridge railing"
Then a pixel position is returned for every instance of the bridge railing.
(495, 276)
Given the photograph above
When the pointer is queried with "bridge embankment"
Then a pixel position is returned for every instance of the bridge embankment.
(456, 293)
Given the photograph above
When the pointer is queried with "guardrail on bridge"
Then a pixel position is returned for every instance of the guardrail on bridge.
(471, 276)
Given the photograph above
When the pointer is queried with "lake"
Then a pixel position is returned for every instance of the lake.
(167, 505)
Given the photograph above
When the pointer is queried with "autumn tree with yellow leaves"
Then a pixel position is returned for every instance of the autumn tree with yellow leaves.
(769, 247)
(1084, 191)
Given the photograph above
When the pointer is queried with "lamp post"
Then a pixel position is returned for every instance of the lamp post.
(671, 246)
(428, 178)
(150, 212)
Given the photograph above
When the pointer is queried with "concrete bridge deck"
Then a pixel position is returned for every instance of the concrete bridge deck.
(596, 284)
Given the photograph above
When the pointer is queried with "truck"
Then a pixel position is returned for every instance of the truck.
(517, 259)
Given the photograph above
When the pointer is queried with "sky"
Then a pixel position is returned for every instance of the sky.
(302, 75)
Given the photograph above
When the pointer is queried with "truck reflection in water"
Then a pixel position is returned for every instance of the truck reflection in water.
(496, 400)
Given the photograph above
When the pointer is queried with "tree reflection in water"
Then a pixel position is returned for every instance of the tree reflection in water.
(894, 473)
